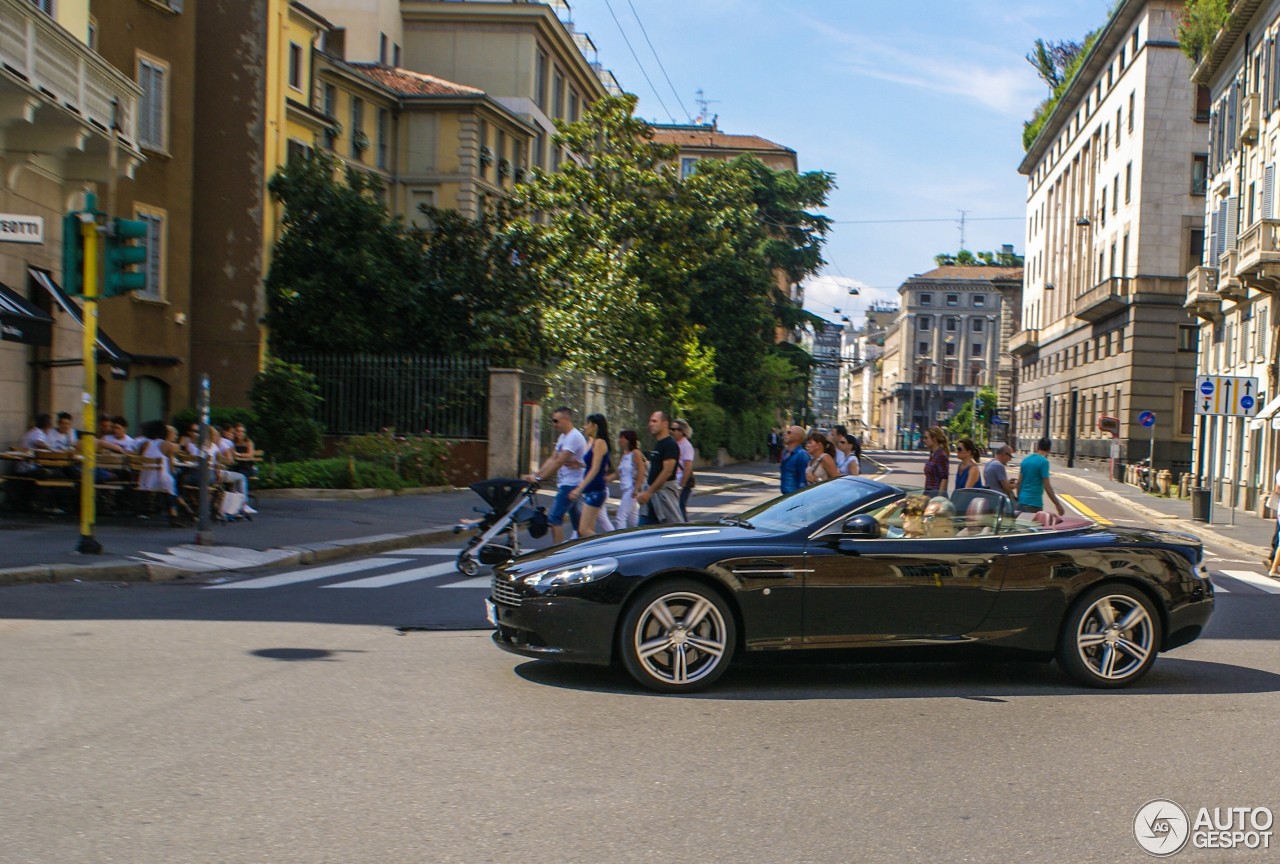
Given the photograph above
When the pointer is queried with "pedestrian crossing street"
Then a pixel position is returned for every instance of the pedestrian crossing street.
(434, 566)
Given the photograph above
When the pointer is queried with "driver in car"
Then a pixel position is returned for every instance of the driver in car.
(939, 518)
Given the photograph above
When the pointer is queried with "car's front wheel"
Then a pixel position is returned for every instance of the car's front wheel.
(1110, 637)
(677, 637)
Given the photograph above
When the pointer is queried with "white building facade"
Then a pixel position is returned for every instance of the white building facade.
(1115, 217)
(1233, 292)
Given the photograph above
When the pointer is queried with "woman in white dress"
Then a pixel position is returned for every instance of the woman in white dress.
(160, 443)
(846, 457)
(631, 465)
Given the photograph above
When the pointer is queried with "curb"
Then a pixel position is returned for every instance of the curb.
(1183, 525)
(309, 553)
(350, 494)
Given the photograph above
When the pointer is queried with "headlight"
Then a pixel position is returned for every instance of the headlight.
(575, 574)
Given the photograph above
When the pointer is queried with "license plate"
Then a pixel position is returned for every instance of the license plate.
(491, 612)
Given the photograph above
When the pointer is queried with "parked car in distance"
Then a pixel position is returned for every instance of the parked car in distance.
(854, 563)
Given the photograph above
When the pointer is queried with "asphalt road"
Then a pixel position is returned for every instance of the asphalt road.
(296, 723)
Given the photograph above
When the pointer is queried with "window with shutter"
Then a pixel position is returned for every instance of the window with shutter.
(151, 106)
(1260, 349)
(1268, 191)
(1232, 215)
(153, 267)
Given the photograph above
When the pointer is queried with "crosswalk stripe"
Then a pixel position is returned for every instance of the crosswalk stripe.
(398, 578)
(477, 582)
(425, 550)
(310, 574)
(1257, 580)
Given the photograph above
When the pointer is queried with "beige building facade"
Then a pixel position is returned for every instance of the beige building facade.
(1233, 292)
(1115, 216)
(55, 117)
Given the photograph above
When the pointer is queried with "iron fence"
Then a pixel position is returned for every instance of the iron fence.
(411, 393)
(624, 406)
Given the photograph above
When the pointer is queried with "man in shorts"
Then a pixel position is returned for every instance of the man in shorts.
(567, 462)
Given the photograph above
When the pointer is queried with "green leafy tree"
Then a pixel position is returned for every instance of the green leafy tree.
(1199, 23)
(285, 398)
(964, 424)
(343, 276)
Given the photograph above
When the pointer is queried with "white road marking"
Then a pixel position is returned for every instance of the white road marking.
(424, 550)
(1257, 580)
(477, 582)
(411, 575)
(310, 574)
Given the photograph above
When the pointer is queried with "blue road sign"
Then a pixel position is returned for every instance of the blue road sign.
(995, 418)
(1246, 402)
(1206, 387)
(1147, 419)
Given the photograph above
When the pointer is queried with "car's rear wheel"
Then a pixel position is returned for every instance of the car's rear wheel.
(1110, 637)
(677, 637)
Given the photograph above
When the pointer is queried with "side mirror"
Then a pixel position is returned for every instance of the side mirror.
(862, 525)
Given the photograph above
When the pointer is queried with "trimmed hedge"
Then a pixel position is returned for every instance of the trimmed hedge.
(183, 419)
(348, 473)
(420, 460)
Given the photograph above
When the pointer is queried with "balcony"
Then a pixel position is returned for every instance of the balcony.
(1229, 285)
(1104, 299)
(56, 99)
(1024, 342)
(1202, 293)
(1250, 118)
(1259, 256)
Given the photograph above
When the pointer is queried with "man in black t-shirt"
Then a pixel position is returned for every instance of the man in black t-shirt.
(660, 502)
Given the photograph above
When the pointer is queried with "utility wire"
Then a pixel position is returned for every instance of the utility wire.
(898, 221)
(674, 92)
(638, 63)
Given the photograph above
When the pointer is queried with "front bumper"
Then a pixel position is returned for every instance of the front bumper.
(557, 628)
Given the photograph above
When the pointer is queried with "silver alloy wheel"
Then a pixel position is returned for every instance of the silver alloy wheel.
(1115, 637)
(680, 638)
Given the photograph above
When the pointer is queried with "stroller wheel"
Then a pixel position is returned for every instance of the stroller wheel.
(467, 565)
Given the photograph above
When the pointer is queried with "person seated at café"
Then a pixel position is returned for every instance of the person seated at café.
(159, 442)
(34, 439)
(245, 463)
(224, 458)
(64, 437)
(118, 440)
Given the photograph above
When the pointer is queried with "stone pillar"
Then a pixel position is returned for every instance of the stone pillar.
(504, 422)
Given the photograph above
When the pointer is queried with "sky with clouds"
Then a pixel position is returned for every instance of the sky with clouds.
(916, 106)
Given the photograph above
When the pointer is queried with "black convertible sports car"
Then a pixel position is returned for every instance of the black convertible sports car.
(857, 563)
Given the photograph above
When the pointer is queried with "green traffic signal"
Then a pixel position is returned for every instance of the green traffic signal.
(72, 254)
(123, 252)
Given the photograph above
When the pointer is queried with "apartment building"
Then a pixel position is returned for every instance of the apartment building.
(154, 44)
(1115, 218)
(1233, 292)
(945, 344)
(55, 146)
(827, 348)
(706, 141)
(448, 104)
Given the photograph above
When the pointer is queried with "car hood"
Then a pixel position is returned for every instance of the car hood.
(630, 542)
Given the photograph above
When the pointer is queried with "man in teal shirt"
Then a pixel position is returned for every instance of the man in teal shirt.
(1033, 481)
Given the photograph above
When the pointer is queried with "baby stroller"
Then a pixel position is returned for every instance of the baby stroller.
(497, 538)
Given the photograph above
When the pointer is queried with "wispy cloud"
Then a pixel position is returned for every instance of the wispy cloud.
(1004, 88)
(826, 293)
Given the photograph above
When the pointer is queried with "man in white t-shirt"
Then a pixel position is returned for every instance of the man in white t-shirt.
(35, 438)
(64, 437)
(567, 462)
(118, 441)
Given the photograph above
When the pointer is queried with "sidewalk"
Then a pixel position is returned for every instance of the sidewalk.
(1249, 535)
(286, 532)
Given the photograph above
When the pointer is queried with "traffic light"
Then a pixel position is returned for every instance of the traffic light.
(125, 249)
(72, 254)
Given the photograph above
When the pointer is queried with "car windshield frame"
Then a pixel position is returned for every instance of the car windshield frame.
(818, 505)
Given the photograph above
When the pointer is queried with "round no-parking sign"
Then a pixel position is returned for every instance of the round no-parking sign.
(1148, 419)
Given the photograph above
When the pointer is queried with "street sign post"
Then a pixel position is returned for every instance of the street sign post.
(1148, 421)
(1226, 396)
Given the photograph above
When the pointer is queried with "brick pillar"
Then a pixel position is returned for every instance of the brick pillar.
(504, 422)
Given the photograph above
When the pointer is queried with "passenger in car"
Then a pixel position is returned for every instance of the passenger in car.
(979, 519)
(939, 517)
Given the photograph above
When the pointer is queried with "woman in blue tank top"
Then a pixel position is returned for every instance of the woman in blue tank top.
(592, 489)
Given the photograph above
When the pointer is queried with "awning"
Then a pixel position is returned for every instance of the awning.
(22, 322)
(110, 355)
(1265, 413)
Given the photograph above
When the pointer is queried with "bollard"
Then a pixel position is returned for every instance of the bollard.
(1164, 480)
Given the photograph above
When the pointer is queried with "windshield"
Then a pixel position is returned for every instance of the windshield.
(815, 505)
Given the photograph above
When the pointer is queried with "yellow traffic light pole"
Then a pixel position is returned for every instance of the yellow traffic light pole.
(89, 441)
